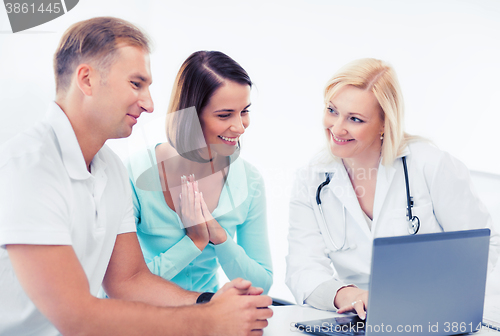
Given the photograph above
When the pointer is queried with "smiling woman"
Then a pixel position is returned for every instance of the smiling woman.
(354, 123)
(226, 117)
(193, 195)
(358, 193)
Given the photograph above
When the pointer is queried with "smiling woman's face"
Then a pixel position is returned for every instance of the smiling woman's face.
(226, 117)
(353, 123)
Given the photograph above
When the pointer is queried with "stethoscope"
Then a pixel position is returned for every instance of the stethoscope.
(413, 221)
(318, 201)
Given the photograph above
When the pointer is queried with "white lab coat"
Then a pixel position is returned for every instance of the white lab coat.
(444, 200)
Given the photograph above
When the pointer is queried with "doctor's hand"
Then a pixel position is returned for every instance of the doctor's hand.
(191, 213)
(216, 234)
(352, 299)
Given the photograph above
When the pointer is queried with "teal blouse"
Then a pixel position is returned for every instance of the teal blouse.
(171, 254)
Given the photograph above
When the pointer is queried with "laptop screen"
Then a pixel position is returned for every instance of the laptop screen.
(426, 284)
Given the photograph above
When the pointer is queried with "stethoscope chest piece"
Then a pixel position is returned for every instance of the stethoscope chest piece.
(414, 225)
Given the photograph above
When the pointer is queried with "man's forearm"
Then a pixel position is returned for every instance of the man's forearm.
(227, 314)
(154, 290)
(54, 280)
(118, 317)
(128, 278)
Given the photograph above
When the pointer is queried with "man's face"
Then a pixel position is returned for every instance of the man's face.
(121, 94)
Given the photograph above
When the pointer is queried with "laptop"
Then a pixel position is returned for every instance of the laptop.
(426, 284)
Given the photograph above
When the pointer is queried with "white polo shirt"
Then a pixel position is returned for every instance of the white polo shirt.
(47, 197)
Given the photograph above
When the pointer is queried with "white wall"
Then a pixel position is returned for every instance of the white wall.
(446, 53)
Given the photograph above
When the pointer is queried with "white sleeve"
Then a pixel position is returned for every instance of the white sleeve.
(308, 266)
(128, 222)
(34, 208)
(322, 297)
(456, 203)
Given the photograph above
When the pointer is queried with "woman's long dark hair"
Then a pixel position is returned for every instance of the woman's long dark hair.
(199, 77)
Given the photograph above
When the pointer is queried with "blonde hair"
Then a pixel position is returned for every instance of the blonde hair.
(380, 78)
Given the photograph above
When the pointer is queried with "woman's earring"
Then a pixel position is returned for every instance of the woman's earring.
(382, 136)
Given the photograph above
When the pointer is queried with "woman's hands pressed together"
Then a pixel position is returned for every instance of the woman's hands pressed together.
(216, 234)
(191, 213)
(199, 223)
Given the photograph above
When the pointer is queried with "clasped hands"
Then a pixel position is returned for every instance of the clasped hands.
(241, 309)
(199, 223)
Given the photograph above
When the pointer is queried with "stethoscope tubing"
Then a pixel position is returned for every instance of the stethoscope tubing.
(318, 201)
(413, 221)
(318, 191)
(408, 197)
(328, 230)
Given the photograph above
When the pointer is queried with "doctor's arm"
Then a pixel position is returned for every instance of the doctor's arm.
(456, 203)
(309, 268)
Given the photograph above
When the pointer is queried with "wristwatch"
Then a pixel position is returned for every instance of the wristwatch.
(204, 297)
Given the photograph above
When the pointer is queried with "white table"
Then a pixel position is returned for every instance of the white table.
(284, 318)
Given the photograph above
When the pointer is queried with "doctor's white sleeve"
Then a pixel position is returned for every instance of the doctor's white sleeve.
(455, 202)
(308, 266)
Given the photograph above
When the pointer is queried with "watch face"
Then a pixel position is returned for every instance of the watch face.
(204, 297)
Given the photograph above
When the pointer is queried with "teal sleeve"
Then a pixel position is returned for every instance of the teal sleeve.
(169, 263)
(250, 257)
(136, 204)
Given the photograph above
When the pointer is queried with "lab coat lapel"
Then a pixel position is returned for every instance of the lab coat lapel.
(385, 176)
(343, 190)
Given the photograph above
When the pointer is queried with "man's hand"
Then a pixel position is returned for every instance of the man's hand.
(244, 287)
(237, 309)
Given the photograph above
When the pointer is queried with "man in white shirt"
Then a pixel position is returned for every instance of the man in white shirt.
(66, 221)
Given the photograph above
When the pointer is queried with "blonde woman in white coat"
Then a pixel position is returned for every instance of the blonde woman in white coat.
(328, 264)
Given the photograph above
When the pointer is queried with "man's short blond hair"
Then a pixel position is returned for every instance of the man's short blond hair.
(94, 40)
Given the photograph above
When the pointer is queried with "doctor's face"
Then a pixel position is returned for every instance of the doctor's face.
(353, 123)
